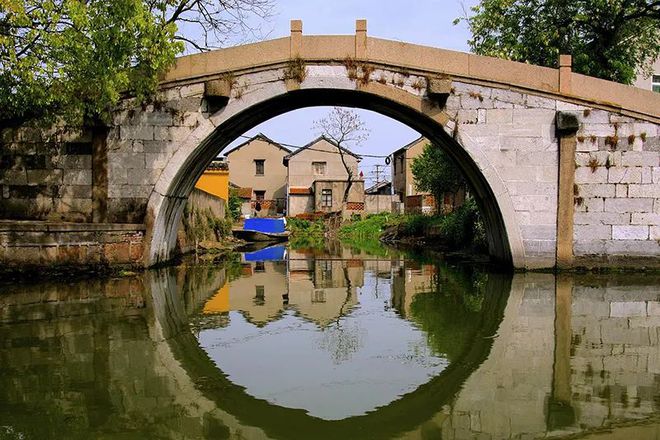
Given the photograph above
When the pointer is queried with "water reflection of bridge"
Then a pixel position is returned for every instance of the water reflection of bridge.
(92, 358)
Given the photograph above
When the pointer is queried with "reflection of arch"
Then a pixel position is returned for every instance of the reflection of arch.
(272, 98)
(406, 413)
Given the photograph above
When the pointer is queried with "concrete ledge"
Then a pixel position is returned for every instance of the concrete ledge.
(42, 226)
(32, 244)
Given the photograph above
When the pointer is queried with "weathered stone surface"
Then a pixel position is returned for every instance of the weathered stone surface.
(630, 232)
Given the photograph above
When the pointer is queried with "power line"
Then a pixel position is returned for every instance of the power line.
(297, 147)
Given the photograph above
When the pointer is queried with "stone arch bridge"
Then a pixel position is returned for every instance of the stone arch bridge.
(565, 167)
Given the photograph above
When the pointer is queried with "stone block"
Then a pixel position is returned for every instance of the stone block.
(44, 177)
(653, 308)
(592, 232)
(586, 146)
(540, 102)
(78, 177)
(156, 118)
(13, 177)
(644, 322)
(475, 100)
(138, 132)
(640, 158)
(647, 175)
(128, 160)
(593, 204)
(625, 175)
(589, 247)
(76, 191)
(78, 161)
(586, 175)
(656, 174)
(589, 190)
(645, 219)
(649, 190)
(156, 160)
(499, 116)
(538, 232)
(629, 205)
(601, 218)
(534, 203)
(162, 134)
(654, 232)
(621, 191)
(637, 232)
(633, 248)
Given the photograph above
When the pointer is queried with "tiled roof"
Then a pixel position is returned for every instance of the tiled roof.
(245, 193)
(300, 191)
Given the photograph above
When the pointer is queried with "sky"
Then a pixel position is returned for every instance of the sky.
(426, 22)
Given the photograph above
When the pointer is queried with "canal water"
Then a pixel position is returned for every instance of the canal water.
(331, 344)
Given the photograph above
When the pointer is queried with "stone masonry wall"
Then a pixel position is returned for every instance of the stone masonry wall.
(46, 174)
(617, 189)
(615, 353)
(141, 142)
(516, 133)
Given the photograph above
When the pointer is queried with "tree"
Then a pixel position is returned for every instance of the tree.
(609, 39)
(75, 58)
(345, 128)
(434, 172)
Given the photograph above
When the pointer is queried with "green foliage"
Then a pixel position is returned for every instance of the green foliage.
(75, 58)
(610, 39)
(369, 228)
(464, 227)
(452, 314)
(234, 204)
(364, 234)
(435, 173)
(306, 234)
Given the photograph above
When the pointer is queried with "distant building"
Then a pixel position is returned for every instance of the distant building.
(380, 188)
(257, 164)
(317, 179)
(403, 182)
(215, 180)
(651, 82)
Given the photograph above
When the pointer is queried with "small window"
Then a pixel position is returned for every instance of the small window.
(260, 196)
(259, 267)
(656, 83)
(259, 167)
(318, 168)
(326, 198)
(259, 295)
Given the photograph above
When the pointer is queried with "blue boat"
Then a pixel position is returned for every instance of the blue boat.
(263, 229)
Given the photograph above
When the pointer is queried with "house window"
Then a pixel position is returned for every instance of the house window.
(259, 267)
(259, 296)
(259, 167)
(326, 198)
(318, 168)
(656, 83)
(260, 196)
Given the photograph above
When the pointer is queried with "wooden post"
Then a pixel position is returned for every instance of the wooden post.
(565, 64)
(567, 126)
(360, 39)
(296, 38)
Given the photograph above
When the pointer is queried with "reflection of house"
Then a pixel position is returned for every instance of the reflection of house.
(318, 290)
(317, 179)
(324, 290)
(403, 182)
(259, 294)
(410, 280)
(257, 164)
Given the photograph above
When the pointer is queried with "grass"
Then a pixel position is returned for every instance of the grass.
(306, 234)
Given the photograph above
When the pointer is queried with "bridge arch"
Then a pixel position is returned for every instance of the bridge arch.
(328, 86)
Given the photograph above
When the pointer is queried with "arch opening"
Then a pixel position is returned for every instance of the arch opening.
(178, 179)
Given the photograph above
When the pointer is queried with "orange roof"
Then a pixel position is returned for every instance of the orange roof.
(302, 191)
(245, 193)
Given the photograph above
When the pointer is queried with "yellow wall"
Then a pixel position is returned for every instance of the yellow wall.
(215, 182)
